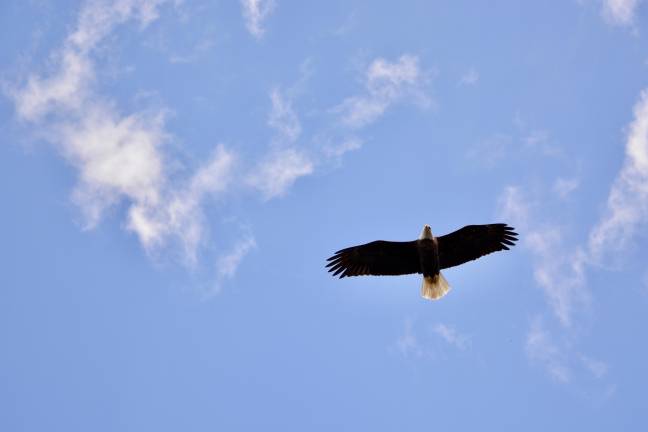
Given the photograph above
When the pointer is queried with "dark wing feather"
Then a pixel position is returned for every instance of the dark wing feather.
(376, 258)
(474, 241)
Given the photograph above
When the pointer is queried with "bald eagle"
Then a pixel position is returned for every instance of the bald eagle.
(427, 255)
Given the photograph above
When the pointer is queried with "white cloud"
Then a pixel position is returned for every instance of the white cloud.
(541, 349)
(283, 164)
(538, 140)
(451, 336)
(115, 156)
(385, 84)
(627, 204)
(68, 86)
(338, 150)
(492, 150)
(596, 367)
(470, 78)
(118, 157)
(526, 143)
(98, 18)
(66, 89)
(283, 118)
(558, 356)
(179, 214)
(514, 206)
(274, 175)
(565, 186)
(408, 344)
(254, 13)
(620, 12)
(196, 52)
(559, 271)
(227, 264)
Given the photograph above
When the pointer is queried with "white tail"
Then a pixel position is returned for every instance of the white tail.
(434, 287)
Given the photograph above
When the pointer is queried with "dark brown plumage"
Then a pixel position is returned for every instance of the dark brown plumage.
(399, 258)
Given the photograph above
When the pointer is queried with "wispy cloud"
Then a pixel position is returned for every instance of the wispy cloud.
(274, 175)
(525, 142)
(559, 357)
(514, 206)
(565, 186)
(596, 367)
(228, 263)
(179, 214)
(558, 269)
(492, 150)
(470, 78)
(385, 84)
(627, 204)
(408, 344)
(283, 118)
(620, 12)
(197, 51)
(451, 336)
(560, 274)
(425, 343)
(66, 89)
(254, 13)
(542, 350)
(561, 270)
(68, 86)
(539, 141)
(337, 150)
(119, 158)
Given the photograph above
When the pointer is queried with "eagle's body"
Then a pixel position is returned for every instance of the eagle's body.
(427, 255)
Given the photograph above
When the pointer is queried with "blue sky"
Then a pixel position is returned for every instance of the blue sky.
(174, 174)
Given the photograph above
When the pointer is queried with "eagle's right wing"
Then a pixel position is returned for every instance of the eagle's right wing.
(376, 258)
(474, 241)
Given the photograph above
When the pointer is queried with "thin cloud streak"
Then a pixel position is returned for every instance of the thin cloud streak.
(180, 214)
(627, 204)
(470, 78)
(228, 263)
(385, 83)
(596, 367)
(284, 163)
(562, 272)
(407, 343)
(339, 149)
(559, 271)
(565, 186)
(541, 349)
(279, 171)
(254, 13)
(282, 117)
(620, 12)
(451, 336)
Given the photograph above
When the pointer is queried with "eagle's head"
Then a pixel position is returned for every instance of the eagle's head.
(426, 233)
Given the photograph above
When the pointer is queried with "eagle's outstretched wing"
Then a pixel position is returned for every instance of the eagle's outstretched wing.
(472, 242)
(376, 258)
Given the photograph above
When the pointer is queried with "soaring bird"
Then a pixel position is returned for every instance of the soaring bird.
(427, 255)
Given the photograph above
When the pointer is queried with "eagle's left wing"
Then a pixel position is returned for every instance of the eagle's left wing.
(472, 242)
